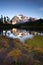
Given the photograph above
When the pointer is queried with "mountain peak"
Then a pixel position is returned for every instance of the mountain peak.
(19, 19)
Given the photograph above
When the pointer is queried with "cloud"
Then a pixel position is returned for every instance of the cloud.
(41, 9)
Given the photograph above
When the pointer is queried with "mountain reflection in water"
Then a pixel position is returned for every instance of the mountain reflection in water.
(21, 34)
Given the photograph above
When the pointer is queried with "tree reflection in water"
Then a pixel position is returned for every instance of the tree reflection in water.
(21, 34)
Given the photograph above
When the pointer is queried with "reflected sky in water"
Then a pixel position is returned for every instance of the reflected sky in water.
(20, 34)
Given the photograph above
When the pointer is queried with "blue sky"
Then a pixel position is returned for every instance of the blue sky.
(30, 8)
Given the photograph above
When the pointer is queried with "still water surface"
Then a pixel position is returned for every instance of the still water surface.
(20, 34)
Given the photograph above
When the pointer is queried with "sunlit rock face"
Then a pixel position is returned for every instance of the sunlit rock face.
(15, 20)
(23, 18)
(19, 19)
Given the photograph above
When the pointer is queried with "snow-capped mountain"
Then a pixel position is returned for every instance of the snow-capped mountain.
(19, 19)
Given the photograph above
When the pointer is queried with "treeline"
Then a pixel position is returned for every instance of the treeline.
(6, 26)
(4, 19)
(32, 25)
(4, 23)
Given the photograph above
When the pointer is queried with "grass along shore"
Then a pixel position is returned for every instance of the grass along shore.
(14, 52)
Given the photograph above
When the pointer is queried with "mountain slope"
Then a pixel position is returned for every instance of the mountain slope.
(19, 19)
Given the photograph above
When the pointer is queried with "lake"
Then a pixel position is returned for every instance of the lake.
(20, 33)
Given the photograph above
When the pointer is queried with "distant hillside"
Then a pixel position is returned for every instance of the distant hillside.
(36, 24)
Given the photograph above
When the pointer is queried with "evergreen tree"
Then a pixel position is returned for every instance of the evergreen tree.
(8, 19)
(1, 19)
(4, 19)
